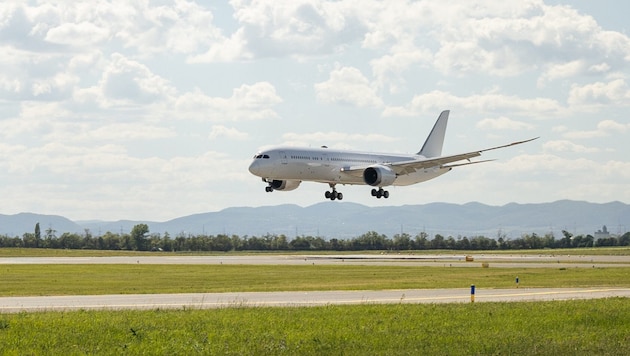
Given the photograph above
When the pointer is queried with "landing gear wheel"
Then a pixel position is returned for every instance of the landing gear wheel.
(269, 189)
(333, 195)
(380, 193)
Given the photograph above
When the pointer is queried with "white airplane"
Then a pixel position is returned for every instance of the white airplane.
(284, 168)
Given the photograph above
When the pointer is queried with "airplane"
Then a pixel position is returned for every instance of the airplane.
(283, 168)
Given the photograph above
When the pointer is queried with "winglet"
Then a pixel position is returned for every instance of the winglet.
(433, 145)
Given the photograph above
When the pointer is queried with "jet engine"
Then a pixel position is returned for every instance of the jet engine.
(379, 176)
(285, 185)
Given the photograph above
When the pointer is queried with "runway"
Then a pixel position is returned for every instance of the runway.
(318, 298)
(296, 299)
(392, 259)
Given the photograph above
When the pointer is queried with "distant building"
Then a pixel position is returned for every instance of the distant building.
(602, 234)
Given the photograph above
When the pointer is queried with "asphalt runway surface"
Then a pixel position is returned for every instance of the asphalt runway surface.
(317, 298)
(297, 299)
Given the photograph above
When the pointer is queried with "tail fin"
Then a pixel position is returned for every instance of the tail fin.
(433, 145)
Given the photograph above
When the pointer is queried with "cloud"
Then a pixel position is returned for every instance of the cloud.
(77, 34)
(347, 85)
(388, 70)
(568, 146)
(286, 27)
(248, 102)
(503, 123)
(126, 80)
(596, 94)
(557, 71)
(219, 131)
(334, 136)
(604, 128)
(437, 100)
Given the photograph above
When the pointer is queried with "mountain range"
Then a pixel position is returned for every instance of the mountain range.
(347, 220)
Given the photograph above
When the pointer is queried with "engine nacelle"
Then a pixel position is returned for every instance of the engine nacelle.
(285, 185)
(379, 176)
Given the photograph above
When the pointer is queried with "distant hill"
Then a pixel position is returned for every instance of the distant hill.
(344, 220)
(18, 224)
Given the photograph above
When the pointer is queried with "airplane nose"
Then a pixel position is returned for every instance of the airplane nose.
(254, 168)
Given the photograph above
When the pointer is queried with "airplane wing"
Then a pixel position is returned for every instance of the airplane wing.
(407, 167)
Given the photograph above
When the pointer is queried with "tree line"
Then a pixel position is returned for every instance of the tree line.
(140, 239)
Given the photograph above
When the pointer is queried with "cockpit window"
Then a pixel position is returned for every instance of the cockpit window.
(265, 156)
(258, 156)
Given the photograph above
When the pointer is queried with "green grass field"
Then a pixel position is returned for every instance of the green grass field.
(581, 327)
(592, 327)
(22, 280)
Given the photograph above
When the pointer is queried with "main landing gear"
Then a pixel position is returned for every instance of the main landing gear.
(333, 195)
(380, 193)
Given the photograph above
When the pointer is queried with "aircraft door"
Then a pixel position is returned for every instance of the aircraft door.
(283, 157)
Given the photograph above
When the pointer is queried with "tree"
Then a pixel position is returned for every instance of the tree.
(402, 241)
(438, 242)
(139, 237)
(300, 243)
(38, 235)
(421, 242)
(222, 243)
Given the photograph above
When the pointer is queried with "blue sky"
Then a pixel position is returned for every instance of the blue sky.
(152, 110)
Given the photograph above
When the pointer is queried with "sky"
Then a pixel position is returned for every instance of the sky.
(153, 110)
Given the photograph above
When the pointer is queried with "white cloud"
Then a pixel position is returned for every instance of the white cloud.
(347, 85)
(560, 71)
(77, 34)
(126, 80)
(437, 100)
(568, 146)
(248, 102)
(287, 27)
(334, 136)
(611, 125)
(614, 92)
(219, 131)
(604, 128)
(503, 123)
(389, 69)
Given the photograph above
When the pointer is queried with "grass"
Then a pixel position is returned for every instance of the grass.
(561, 328)
(23, 280)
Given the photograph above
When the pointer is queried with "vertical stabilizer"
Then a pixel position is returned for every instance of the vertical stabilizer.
(433, 145)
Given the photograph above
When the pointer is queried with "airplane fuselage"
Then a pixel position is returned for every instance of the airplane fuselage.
(326, 165)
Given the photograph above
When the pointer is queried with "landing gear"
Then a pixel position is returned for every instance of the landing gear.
(380, 193)
(269, 188)
(333, 195)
